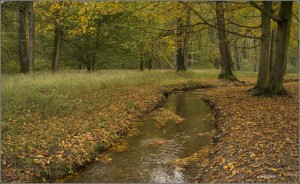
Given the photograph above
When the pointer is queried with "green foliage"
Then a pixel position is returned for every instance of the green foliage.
(293, 69)
(246, 65)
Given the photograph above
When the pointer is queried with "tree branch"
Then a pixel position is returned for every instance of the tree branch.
(266, 12)
(214, 26)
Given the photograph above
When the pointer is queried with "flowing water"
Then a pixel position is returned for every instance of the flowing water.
(144, 161)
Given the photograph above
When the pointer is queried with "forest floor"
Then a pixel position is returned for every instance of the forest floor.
(55, 124)
(258, 140)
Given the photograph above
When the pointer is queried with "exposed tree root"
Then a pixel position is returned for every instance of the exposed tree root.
(267, 92)
(228, 76)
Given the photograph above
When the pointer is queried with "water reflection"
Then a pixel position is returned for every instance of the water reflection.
(148, 161)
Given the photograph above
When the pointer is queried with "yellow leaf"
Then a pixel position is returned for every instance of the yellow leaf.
(21, 157)
(273, 169)
(37, 161)
(40, 156)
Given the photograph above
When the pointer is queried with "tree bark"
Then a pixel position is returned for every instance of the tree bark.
(31, 36)
(226, 60)
(282, 41)
(255, 57)
(96, 44)
(272, 53)
(22, 40)
(186, 36)
(236, 55)
(141, 64)
(263, 71)
(56, 49)
(244, 50)
(179, 53)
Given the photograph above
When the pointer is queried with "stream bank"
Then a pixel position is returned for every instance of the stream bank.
(258, 138)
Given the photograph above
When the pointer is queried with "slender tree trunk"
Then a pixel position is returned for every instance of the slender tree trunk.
(179, 53)
(282, 41)
(186, 36)
(142, 64)
(272, 53)
(226, 60)
(149, 64)
(244, 50)
(22, 40)
(56, 49)
(96, 43)
(236, 56)
(255, 57)
(31, 36)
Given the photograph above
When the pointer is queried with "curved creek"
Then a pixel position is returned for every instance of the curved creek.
(150, 152)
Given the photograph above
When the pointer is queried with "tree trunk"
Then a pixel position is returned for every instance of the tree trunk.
(186, 36)
(56, 49)
(142, 64)
(263, 71)
(31, 36)
(96, 43)
(244, 50)
(226, 60)
(179, 53)
(22, 41)
(282, 41)
(237, 58)
(272, 53)
(255, 57)
(149, 64)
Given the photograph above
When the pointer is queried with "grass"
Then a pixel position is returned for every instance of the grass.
(51, 122)
(56, 95)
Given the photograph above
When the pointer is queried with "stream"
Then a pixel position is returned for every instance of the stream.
(146, 162)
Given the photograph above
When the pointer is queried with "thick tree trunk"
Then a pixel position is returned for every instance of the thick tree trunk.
(56, 49)
(179, 53)
(263, 71)
(31, 36)
(282, 41)
(22, 41)
(226, 60)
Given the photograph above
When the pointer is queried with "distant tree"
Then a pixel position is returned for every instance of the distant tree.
(22, 40)
(31, 36)
(179, 53)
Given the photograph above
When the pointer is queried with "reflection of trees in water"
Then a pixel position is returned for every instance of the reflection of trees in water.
(180, 103)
